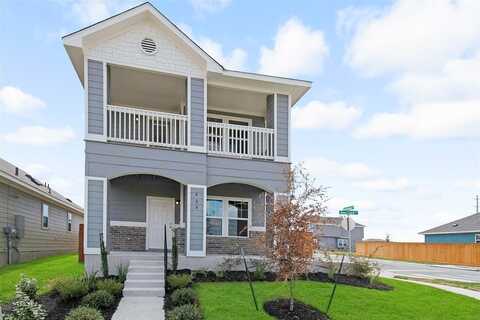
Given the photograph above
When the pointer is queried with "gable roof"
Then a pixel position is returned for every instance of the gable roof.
(73, 45)
(464, 225)
(14, 176)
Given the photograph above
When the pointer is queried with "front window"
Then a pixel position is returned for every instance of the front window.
(238, 218)
(214, 217)
(342, 243)
(45, 216)
(228, 217)
(477, 238)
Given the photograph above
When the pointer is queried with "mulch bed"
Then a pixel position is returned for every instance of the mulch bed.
(58, 309)
(271, 276)
(280, 309)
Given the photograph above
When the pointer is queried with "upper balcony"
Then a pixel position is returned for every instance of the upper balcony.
(161, 110)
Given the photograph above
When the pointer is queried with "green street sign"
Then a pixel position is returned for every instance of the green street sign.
(349, 208)
(348, 212)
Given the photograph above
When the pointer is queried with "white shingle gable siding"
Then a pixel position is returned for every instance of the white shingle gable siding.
(172, 55)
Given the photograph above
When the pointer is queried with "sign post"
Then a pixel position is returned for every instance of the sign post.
(349, 211)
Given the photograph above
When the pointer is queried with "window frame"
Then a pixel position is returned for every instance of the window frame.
(45, 205)
(225, 218)
(344, 241)
(477, 238)
(69, 221)
(226, 119)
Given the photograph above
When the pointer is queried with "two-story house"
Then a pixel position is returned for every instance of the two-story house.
(174, 138)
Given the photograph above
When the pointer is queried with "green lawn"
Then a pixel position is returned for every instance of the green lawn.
(43, 269)
(232, 300)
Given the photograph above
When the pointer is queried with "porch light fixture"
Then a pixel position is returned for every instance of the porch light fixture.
(177, 202)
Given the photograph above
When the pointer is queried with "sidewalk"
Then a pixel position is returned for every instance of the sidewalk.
(140, 308)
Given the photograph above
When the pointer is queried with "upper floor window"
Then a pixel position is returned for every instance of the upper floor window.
(44, 216)
(69, 221)
(477, 238)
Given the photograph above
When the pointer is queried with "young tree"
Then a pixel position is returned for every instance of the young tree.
(291, 245)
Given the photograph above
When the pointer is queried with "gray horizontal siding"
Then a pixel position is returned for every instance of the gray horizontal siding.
(95, 97)
(197, 108)
(127, 196)
(282, 125)
(114, 160)
(267, 175)
(36, 241)
(94, 212)
(197, 202)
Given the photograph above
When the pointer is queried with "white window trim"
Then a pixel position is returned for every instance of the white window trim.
(69, 221)
(477, 238)
(225, 217)
(48, 214)
(226, 118)
(87, 249)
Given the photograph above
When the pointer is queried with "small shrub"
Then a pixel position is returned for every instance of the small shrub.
(122, 271)
(330, 264)
(200, 274)
(177, 281)
(183, 296)
(90, 281)
(111, 286)
(185, 312)
(261, 267)
(25, 308)
(27, 286)
(70, 288)
(362, 268)
(84, 313)
(100, 299)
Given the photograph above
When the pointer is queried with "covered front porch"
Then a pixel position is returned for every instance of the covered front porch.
(139, 206)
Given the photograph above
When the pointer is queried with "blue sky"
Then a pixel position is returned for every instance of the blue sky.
(390, 125)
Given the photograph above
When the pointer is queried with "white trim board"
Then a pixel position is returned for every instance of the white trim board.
(197, 253)
(128, 224)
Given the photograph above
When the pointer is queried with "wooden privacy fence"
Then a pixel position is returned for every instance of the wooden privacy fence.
(442, 253)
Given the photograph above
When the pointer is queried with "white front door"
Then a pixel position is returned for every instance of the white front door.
(160, 212)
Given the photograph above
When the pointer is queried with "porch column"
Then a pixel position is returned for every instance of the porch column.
(95, 217)
(278, 118)
(197, 114)
(196, 202)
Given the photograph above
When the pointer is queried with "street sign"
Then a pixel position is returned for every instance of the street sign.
(348, 212)
(349, 208)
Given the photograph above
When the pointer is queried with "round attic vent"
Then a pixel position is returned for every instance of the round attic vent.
(148, 46)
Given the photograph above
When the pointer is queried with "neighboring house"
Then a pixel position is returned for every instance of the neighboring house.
(332, 233)
(174, 138)
(465, 230)
(37, 220)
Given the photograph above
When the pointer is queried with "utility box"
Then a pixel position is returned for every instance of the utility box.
(20, 226)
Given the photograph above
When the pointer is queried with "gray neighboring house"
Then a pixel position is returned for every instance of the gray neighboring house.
(37, 220)
(332, 233)
(175, 139)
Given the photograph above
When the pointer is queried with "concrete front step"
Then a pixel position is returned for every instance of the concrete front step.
(158, 263)
(145, 268)
(144, 275)
(144, 292)
(146, 283)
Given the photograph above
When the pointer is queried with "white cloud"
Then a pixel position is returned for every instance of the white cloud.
(298, 50)
(236, 59)
(430, 120)
(14, 100)
(321, 115)
(39, 136)
(209, 5)
(383, 184)
(321, 167)
(412, 35)
(91, 11)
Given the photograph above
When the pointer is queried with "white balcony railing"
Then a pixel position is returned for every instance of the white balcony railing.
(146, 127)
(244, 141)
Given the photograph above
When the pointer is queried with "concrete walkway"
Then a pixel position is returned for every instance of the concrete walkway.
(464, 292)
(140, 308)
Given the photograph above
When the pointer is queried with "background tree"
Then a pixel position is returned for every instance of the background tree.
(291, 244)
